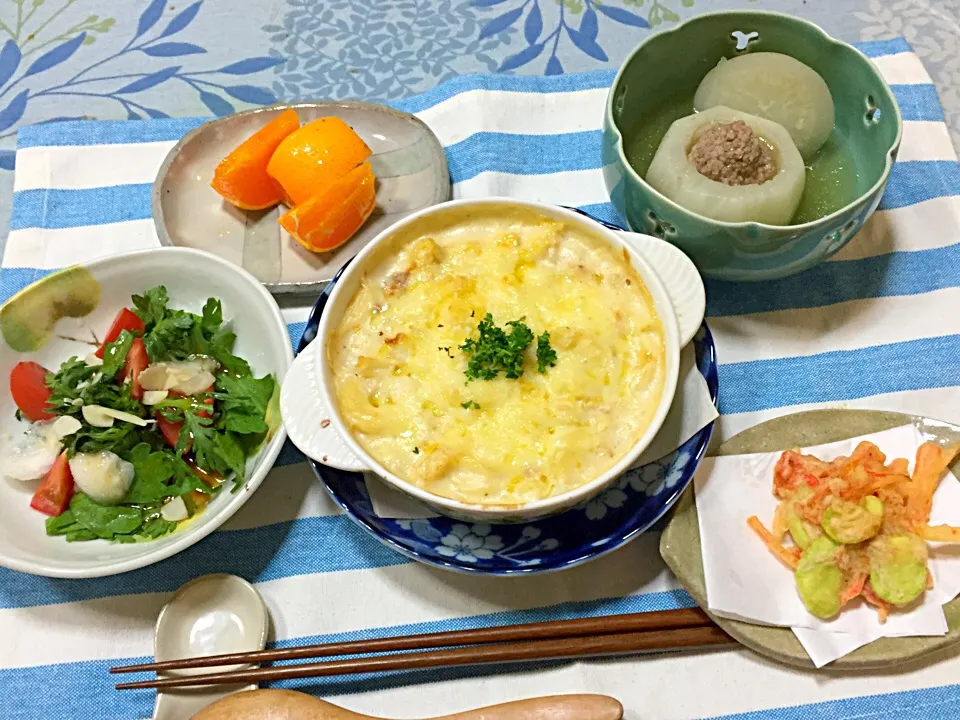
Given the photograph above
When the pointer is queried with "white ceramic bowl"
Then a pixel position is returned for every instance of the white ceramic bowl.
(190, 276)
(310, 397)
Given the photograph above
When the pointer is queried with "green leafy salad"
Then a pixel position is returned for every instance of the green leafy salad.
(141, 434)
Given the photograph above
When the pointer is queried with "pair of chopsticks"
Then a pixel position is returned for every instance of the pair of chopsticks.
(560, 639)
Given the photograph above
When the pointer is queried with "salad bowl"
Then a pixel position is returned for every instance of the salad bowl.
(80, 303)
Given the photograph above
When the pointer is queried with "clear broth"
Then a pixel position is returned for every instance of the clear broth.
(831, 181)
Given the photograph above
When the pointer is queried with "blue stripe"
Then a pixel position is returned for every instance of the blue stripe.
(918, 102)
(840, 375)
(268, 552)
(893, 274)
(925, 704)
(523, 154)
(879, 48)
(920, 180)
(899, 273)
(105, 132)
(295, 331)
(910, 182)
(55, 209)
(79, 689)
(13, 280)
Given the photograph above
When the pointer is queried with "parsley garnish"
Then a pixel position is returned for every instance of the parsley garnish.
(497, 350)
(546, 355)
(470, 404)
(416, 451)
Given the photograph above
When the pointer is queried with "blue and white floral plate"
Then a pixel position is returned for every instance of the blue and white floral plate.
(639, 499)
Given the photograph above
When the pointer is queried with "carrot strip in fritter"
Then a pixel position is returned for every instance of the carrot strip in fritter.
(882, 481)
(940, 533)
(932, 461)
(785, 555)
(853, 589)
(900, 466)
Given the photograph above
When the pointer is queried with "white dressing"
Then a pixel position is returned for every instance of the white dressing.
(102, 476)
(29, 455)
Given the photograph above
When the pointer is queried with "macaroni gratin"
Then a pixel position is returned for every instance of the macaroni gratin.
(399, 373)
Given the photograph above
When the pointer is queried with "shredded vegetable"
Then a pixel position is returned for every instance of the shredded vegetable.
(856, 526)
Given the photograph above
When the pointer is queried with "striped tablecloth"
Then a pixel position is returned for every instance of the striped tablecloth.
(876, 327)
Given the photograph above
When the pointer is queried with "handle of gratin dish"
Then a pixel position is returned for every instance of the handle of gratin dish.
(306, 416)
(680, 277)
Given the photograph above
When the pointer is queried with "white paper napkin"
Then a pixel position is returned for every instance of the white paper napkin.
(745, 582)
(692, 410)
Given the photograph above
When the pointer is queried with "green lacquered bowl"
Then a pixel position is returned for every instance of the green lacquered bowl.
(671, 64)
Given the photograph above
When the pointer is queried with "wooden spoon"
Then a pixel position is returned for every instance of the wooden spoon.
(291, 705)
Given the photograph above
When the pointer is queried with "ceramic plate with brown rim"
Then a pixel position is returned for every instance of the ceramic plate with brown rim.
(680, 541)
(408, 161)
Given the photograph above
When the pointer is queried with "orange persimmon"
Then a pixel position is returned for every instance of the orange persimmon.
(241, 177)
(312, 158)
(333, 215)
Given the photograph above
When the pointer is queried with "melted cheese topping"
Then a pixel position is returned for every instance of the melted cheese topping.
(399, 374)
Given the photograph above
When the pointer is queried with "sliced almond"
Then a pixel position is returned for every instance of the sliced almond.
(155, 378)
(195, 383)
(100, 416)
(152, 397)
(65, 425)
(187, 377)
(175, 510)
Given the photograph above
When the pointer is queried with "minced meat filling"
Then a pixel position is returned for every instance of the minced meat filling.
(732, 153)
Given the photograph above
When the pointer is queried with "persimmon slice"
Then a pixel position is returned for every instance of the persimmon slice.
(331, 217)
(314, 157)
(241, 177)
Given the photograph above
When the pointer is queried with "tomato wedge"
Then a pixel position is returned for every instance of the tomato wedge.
(28, 387)
(55, 490)
(126, 319)
(135, 364)
(171, 430)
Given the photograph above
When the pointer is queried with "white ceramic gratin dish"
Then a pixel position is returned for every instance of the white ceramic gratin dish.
(190, 276)
(312, 418)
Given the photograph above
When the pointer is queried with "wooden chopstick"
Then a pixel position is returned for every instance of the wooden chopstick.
(614, 624)
(562, 648)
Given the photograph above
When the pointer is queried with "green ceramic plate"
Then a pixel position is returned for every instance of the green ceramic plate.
(680, 542)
